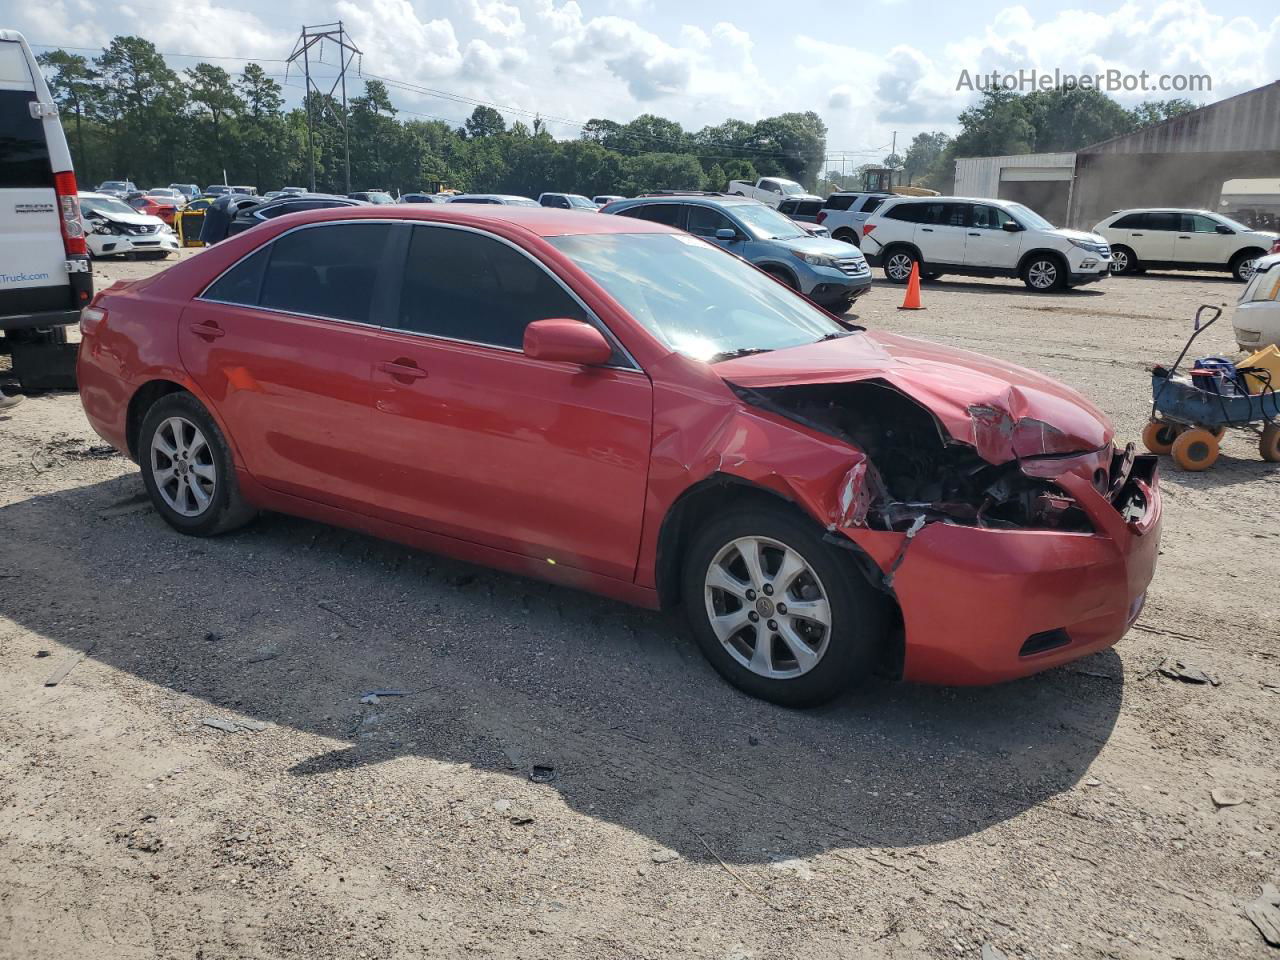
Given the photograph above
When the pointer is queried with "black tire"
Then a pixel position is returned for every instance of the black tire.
(154, 255)
(226, 509)
(931, 275)
(858, 614)
(783, 276)
(892, 264)
(1124, 260)
(1045, 272)
(847, 236)
(1241, 265)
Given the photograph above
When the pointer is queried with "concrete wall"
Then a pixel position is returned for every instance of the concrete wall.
(1116, 181)
(981, 176)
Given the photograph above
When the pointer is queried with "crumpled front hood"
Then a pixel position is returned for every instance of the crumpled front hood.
(1004, 411)
(135, 219)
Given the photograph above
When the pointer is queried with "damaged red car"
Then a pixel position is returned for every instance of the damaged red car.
(621, 407)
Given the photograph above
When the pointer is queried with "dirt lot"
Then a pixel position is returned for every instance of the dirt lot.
(568, 779)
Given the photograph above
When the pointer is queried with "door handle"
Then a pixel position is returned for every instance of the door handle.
(975, 234)
(210, 330)
(402, 368)
(1136, 234)
(926, 229)
(1183, 236)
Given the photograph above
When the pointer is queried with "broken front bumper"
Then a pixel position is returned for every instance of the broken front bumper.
(981, 605)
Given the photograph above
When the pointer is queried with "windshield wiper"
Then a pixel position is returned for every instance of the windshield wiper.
(835, 335)
(740, 352)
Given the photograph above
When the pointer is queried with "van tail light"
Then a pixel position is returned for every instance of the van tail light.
(1276, 248)
(822, 216)
(91, 318)
(64, 184)
(867, 228)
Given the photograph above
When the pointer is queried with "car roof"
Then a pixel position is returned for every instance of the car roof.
(539, 221)
(1116, 213)
(697, 198)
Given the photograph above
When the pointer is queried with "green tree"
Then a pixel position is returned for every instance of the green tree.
(1157, 111)
(212, 96)
(799, 142)
(923, 154)
(716, 179)
(264, 135)
(73, 84)
(141, 102)
(1070, 118)
(485, 122)
(661, 171)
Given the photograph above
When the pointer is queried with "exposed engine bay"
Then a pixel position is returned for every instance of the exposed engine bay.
(916, 472)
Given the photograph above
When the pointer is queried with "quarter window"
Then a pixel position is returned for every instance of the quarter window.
(465, 286)
(242, 283)
(1162, 221)
(871, 204)
(666, 213)
(326, 271)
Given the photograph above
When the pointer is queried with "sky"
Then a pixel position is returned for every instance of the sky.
(885, 68)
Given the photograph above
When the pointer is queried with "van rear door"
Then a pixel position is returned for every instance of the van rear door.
(44, 272)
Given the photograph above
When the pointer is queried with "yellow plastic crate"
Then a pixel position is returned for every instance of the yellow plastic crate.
(1269, 359)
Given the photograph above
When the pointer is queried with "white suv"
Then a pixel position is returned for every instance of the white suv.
(843, 213)
(1170, 239)
(980, 238)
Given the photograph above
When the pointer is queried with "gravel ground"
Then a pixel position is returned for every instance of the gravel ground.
(567, 778)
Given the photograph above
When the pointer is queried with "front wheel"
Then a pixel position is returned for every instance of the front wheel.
(897, 266)
(1043, 274)
(780, 614)
(188, 469)
(1123, 260)
(1242, 265)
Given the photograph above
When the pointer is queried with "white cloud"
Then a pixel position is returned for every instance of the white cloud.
(498, 18)
(398, 44)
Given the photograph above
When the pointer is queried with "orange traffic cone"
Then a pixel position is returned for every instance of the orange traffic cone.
(912, 300)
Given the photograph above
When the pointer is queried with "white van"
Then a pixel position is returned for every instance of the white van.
(44, 265)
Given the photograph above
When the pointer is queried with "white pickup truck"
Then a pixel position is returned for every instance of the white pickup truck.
(770, 190)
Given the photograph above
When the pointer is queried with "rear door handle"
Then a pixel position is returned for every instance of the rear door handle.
(975, 234)
(402, 368)
(926, 229)
(210, 330)
(1183, 236)
(1136, 234)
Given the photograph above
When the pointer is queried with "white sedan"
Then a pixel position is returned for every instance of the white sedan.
(1257, 317)
(113, 228)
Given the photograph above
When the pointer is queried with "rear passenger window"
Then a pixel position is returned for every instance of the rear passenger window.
(465, 286)
(838, 202)
(871, 204)
(326, 271)
(1162, 221)
(913, 212)
(24, 154)
(667, 213)
(1131, 221)
(242, 283)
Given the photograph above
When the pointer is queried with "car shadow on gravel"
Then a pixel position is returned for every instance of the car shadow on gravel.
(294, 623)
(1014, 288)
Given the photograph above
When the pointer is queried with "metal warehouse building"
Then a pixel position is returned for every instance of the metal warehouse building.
(1182, 162)
(1040, 180)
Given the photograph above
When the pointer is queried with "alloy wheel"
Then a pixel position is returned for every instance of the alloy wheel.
(1043, 274)
(1119, 261)
(899, 266)
(183, 467)
(1247, 269)
(767, 607)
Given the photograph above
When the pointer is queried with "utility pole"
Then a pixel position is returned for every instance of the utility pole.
(347, 53)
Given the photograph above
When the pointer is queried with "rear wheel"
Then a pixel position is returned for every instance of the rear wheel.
(188, 469)
(846, 236)
(779, 613)
(897, 265)
(1044, 273)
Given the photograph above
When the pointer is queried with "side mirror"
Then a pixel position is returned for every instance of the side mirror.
(1012, 227)
(725, 233)
(566, 341)
(1223, 228)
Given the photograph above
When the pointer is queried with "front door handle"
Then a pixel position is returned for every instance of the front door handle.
(975, 234)
(403, 369)
(209, 330)
(1136, 234)
(926, 229)
(1183, 236)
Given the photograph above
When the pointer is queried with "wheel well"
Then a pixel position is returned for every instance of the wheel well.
(1246, 253)
(706, 500)
(842, 232)
(1028, 257)
(891, 248)
(142, 401)
(782, 273)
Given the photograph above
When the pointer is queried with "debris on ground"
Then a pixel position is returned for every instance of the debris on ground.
(542, 773)
(145, 841)
(384, 693)
(64, 671)
(1175, 669)
(1226, 797)
(990, 952)
(664, 855)
(794, 865)
(1265, 914)
(41, 654)
(234, 726)
(370, 699)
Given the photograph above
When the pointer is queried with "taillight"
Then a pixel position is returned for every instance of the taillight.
(867, 228)
(90, 319)
(822, 216)
(64, 184)
(1276, 248)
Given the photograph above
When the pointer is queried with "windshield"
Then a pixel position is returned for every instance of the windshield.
(114, 185)
(579, 201)
(765, 223)
(106, 205)
(1233, 224)
(694, 297)
(1029, 217)
(521, 202)
(789, 187)
(378, 197)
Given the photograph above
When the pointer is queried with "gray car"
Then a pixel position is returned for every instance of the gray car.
(826, 271)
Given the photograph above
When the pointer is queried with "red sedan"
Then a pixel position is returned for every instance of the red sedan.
(618, 406)
(155, 205)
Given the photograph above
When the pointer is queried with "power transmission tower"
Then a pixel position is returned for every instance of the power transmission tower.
(312, 37)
